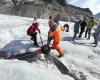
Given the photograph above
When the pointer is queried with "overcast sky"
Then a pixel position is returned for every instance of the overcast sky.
(94, 5)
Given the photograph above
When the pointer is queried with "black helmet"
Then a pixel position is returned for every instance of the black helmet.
(45, 49)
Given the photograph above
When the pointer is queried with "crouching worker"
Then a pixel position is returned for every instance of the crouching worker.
(55, 32)
(32, 32)
(66, 28)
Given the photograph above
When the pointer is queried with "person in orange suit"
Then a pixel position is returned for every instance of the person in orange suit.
(55, 31)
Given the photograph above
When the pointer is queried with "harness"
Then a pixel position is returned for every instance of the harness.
(54, 27)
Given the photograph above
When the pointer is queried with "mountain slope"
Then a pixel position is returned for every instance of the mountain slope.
(97, 15)
(40, 8)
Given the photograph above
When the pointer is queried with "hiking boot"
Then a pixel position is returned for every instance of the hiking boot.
(95, 45)
(85, 37)
(51, 47)
(59, 56)
(73, 39)
(36, 44)
(31, 38)
(88, 38)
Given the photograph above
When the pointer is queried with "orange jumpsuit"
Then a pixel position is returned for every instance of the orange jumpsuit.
(57, 37)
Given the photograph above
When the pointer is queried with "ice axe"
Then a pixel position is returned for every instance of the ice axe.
(41, 38)
(45, 49)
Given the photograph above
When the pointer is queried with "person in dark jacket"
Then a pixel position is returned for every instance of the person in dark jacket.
(32, 32)
(66, 27)
(83, 25)
(76, 28)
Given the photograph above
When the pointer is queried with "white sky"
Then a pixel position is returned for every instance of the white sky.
(94, 5)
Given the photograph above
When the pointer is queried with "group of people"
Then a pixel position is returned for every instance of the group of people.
(53, 33)
(55, 29)
(86, 26)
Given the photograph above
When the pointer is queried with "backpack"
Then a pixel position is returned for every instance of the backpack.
(29, 31)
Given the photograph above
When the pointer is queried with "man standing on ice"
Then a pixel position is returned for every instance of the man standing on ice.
(55, 31)
(83, 25)
(90, 25)
(76, 27)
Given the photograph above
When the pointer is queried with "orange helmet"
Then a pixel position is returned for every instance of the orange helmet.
(50, 17)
